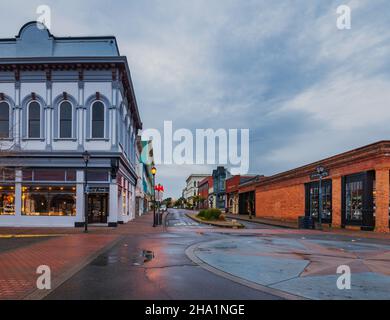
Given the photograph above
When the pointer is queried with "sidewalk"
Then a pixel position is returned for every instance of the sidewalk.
(326, 229)
(270, 222)
(66, 252)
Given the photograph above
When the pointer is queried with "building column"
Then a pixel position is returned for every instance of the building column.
(80, 198)
(113, 210)
(18, 194)
(17, 131)
(382, 201)
(336, 202)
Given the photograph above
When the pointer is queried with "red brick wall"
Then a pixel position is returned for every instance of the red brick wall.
(285, 199)
(286, 203)
(232, 184)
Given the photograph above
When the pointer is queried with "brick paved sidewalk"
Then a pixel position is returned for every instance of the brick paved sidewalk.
(65, 254)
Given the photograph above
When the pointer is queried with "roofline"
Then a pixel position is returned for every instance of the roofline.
(79, 60)
(204, 175)
(61, 38)
(380, 148)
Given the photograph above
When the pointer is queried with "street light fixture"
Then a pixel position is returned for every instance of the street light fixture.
(154, 171)
(86, 157)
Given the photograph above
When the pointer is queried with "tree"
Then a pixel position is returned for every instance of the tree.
(168, 202)
(180, 203)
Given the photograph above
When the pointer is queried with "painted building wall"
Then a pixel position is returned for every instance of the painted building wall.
(48, 78)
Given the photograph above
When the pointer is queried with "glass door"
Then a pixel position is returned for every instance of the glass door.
(97, 208)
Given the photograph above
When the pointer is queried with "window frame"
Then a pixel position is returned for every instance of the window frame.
(104, 121)
(40, 120)
(59, 121)
(9, 120)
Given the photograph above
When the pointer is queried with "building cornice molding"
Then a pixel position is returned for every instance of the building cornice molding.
(80, 64)
(373, 151)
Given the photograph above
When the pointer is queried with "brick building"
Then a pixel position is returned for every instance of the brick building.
(203, 190)
(233, 190)
(355, 194)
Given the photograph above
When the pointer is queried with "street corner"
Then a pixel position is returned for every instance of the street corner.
(307, 268)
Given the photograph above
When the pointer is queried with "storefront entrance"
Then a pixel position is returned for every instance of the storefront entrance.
(247, 203)
(358, 202)
(97, 208)
(312, 203)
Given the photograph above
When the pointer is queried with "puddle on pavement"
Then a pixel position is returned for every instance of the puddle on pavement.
(104, 261)
(145, 257)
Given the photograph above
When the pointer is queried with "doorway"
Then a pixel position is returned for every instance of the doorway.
(97, 208)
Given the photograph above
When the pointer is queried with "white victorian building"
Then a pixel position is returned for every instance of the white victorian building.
(60, 97)
(192, 186)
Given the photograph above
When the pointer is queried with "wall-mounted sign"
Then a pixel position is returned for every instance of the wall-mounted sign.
(320, 174)
(98, 189)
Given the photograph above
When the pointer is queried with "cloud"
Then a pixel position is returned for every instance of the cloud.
(305, 89)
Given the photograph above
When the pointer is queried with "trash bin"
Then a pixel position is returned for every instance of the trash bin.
(305, 222)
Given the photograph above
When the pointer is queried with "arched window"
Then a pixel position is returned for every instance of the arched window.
(65, 120)
(98, 120)
(4, 120)
(34, 120)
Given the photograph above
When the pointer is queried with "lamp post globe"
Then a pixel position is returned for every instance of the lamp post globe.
(86, 156)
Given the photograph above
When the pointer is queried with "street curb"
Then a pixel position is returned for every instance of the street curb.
(58, 281)
(276, 224)
(209, 223)
(190, 253)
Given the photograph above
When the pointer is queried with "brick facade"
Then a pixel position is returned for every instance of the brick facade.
(283, 196)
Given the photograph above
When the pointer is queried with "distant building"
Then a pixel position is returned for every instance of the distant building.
(204, 188)
(191, 189)
(219, 185)
(144, 190)
(233, 190)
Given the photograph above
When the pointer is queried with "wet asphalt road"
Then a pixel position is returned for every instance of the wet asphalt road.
(123, 272)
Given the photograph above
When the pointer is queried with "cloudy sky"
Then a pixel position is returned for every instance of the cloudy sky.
(304, 88)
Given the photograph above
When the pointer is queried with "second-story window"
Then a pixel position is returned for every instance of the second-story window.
(98, 120)
(34, 120)
(4, 120)
(65, 120)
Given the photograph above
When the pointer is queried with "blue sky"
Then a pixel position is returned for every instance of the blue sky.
(305, 89)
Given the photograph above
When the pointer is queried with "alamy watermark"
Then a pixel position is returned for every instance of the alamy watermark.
(344, 281)
(344, 19)
(44, 16)
(44, 280)
(204, 147)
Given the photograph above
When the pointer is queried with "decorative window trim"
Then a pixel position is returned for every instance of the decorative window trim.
(57, 102)
(41, 117)
(89, 103)
(25, 117)
(10, 121)
(72, 135)
(104, 120)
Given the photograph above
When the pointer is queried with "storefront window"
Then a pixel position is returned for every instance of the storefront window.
(7, 200)
(49, 201)
(326, 191)
(354, 201)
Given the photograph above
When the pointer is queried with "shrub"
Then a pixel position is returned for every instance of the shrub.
(210, 214)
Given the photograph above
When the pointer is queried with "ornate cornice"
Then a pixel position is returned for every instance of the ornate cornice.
(79, 64)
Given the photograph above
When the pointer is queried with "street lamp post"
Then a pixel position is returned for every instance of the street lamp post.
(154, 171)
(86, 157)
